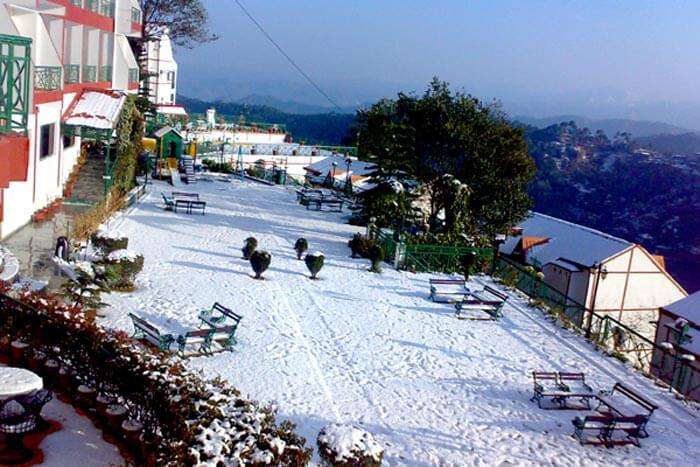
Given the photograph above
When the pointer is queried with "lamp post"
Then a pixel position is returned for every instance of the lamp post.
(334, 164)
(348, 180)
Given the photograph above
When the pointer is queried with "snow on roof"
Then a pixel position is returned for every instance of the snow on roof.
(357, 168)
(171, 110)
(95, 109)
(572, 242)
(165, 130)
(688, 307)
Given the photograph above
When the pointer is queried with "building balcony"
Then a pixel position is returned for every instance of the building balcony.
(14, 158)
(15, 53)
(71, 74)
(105, 73)
(47, 78)
(92, 5)
(89, 74)
(78, 3)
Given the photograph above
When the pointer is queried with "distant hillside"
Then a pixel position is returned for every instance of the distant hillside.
(686, 143)
(292, 107)
(637, 128)
(320, 128)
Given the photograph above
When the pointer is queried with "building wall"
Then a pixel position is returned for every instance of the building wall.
(662, 362)
(162, 64)
(231, 136)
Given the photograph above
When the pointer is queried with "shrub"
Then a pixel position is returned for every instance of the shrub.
(121, 268)
(467, 262)
(260, 261)
(348, 446)
(376, 255)
(186, 420)
(107, 242)
(301, 246)
(314, 261)
(251, 243)
(360, 245)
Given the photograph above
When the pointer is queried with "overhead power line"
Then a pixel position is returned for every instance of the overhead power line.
(289, 59)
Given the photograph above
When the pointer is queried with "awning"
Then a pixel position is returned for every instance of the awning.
(171, 110)
(95, 109)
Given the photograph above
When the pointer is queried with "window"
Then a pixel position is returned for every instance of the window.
(68, 141)
(46, 140)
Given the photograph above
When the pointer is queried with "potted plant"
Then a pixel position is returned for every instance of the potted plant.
(314, 262)
(300, 247)
(260, 261)
(251, 243)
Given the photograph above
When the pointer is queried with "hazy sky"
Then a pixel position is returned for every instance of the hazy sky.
(627, 51)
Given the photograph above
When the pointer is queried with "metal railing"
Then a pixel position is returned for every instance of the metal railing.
(71, 74)
(92, 5)
(15, 53)
(443, 258)
(133, 75)
(47, 78)
(107, 8)
(106, 73)
(78, 3)
(89, 73)
(605, 332)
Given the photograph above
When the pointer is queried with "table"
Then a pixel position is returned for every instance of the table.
(18, 382)
(14, 383)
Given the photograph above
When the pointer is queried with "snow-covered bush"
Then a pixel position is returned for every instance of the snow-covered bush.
(106, 241)
(121, 268)
(260, 261)
(251, 243)
(186, 420)
(301, 246)
(314, 262)
(376, 255)
(348, 446)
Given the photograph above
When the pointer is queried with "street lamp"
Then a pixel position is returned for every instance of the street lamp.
(334, 164)
(348, 181)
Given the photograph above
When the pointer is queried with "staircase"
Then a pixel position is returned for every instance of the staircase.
(188, 162)
(89, 186)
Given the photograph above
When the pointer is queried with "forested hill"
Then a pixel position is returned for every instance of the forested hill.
(326, 128)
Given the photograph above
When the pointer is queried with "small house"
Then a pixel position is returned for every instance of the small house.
(600, 272)
(338, 170)
(676, 358)
(169, 143)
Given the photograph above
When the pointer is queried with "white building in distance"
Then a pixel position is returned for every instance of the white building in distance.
(162, 71)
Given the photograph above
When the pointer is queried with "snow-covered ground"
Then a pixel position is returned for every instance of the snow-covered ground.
(356, 347)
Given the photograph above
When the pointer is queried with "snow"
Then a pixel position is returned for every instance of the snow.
(372, 350)
(119, 255)
(17, 381)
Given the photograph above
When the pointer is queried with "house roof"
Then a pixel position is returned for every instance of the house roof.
(173, 109)
(324, 166)
(572, 242)
(687, 308)
(165, 130)
(95, 108)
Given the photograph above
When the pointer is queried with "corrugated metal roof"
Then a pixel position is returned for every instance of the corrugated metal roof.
(573, 242)
(96, 109)
(688, 307)
(325, 166)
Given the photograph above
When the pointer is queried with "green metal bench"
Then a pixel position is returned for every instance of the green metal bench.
(169, 202)
(488, 300)
(146, 331)
(200, 337)
(215, 318)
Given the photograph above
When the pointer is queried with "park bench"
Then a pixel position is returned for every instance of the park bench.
(488, 300)
(182, 194)
(200, 337)
(624, 402)
(218, 313)
(146, 331)
(225, 336)
(451, 289)
(190, 206)
(215, 318)
(331, 202)
(560, 388)
(169, 202)
(607, 430)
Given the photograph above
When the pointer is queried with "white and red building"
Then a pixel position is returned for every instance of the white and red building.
(51, 53)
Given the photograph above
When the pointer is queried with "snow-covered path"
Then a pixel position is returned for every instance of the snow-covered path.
(371, 349)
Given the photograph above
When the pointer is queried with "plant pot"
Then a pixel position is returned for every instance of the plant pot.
(86, 396)
(51, 367)
(66, 381)
(132, 431)
(36, 360)
(19, 350)
(102, 403)
(149, 447)
(116, 416)
(5, 345)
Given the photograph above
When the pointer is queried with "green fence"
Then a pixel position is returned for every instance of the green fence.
(71, 74)
(89, 73)
(47, 78)
(604, 331)
(15, 53)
